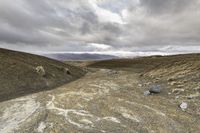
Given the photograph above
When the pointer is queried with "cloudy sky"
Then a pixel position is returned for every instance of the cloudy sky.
(100, 25)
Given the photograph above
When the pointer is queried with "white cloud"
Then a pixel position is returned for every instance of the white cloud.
(100, 25)
(99, 46)
(106, 15)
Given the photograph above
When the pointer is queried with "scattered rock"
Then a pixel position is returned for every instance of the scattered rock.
(173, 83)
(155, 89)
(146, 93)
(192, 96)
(141, 75)
(177, 91)
(180, 86)
(53, 75)
(197, 89)
(113, 72)
(40, 70)
(85, 69)
(139, 85)
(148, 83)
(184, 81)
(170, 79)
(183, 106)
(66, 70)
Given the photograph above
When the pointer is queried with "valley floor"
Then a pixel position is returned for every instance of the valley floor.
(102, 101)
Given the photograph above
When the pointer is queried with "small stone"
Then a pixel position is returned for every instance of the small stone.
(141, 75)
(192, 96)
(180, 86)
(173, 83)
(66, 70)
(183, 106)
(177, 91)
(177, 97)
(146, 93)
(197, 89)
(155, 89)
(185, 81)
(113, 72)
(53, 75)
(139, 85)
(148, 83)
(170, 79)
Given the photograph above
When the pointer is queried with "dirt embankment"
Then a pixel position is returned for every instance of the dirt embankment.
(22, 73)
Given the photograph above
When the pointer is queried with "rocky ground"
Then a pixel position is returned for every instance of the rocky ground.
(111, 99)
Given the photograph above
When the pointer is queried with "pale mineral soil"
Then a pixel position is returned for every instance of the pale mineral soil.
(103, 101)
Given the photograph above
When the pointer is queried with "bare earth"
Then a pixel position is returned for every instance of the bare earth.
(104, 101)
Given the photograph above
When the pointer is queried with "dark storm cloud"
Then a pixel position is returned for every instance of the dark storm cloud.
(71, 25)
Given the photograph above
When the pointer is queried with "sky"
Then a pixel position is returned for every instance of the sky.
(50, 26)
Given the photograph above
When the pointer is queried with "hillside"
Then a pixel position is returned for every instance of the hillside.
(112, 97)
(177, 71)
(21, 74)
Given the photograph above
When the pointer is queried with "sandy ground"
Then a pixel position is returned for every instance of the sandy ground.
(103, 101)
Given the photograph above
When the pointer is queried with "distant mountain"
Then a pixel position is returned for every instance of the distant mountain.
(79, 56)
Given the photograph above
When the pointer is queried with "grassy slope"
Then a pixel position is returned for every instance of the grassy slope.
(18, 75)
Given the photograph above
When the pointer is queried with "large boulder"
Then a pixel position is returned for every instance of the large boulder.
(40, 70)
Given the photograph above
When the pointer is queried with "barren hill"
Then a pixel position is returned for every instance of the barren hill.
(112, 98)
(22, 73)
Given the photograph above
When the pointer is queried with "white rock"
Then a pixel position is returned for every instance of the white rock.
(139, 85)
(40, 70)
(183, 105)
(146, 93)
(177, 97)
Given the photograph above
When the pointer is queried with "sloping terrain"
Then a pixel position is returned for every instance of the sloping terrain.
(22, 73)
(79, 56)
(178, 72)
(110, 99)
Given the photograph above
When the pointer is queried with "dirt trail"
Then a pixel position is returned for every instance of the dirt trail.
(102, 101)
